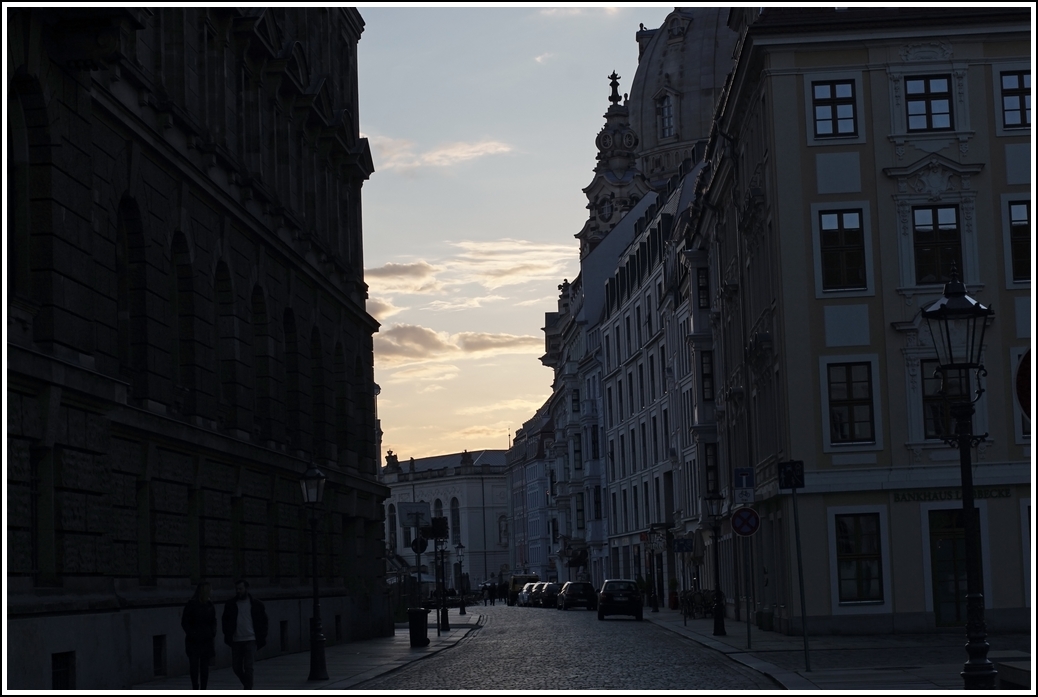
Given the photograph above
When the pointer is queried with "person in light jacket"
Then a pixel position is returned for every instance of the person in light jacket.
(244, 630)
(199, 623)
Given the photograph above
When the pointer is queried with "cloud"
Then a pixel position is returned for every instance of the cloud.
(525, 405)
(464, 303)
(382, 309)
(575, 11)
(413, 277)
(543, 57)
(501, 429)
(504, 262)
(425, 373)
(401, 154)
(408, 344)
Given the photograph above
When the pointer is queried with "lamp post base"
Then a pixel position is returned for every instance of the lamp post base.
(318, 667)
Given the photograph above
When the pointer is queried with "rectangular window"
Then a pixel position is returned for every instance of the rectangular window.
(929, 103)
(655, 442)
(652, 378)
(634, 453)
(645, 448)
(609, 404)
(710, 467)
(580, 511)
(666, 112)
(575, 401)
(834, 109)
(703, 288)
(638, 325)
(578, 454)
(842, 242)
(595, 449)
(938, 395)
(612, 461)
(598, 503)
(620, 399)
(623, 456)
(630, 390)
(634, 501)
(1016, 99)
(706, 367)
(937, 243)
(850, 403)
(641, 385)
(1020, 239)
(623, 496)
(858, 558)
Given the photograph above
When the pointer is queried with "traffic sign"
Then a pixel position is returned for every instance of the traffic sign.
(743, 477)
(419, 544)
(791, 474)
(745, 521)
(414, 515)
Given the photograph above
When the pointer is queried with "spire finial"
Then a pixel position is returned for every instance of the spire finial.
(614, 82)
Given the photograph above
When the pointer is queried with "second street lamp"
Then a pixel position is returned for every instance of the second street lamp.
(312, 485)
(957, 324)
(715, 502)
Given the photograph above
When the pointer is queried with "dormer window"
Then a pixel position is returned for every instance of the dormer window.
(666, 111)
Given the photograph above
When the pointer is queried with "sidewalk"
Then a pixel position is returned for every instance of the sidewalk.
(863, 662)
(349, 664)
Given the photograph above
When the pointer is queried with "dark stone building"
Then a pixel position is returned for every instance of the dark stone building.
(186, 333)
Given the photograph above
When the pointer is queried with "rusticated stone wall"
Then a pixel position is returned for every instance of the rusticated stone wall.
(187, 331)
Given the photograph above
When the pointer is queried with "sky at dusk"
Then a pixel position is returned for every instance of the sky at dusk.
(482, 125)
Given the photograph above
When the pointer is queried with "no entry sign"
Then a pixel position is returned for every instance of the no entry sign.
(745, 521)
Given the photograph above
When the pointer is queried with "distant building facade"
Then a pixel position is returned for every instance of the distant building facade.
(186, 333)
(469, 490)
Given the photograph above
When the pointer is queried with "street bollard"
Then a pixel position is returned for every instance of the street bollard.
(445, 625)
(418, 623)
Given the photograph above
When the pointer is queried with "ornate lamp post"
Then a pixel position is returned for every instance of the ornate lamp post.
(957, 323)
(715, 502)
(312, 485)
(461, 575)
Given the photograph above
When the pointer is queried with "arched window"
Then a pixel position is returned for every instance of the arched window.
(666, 112)
(293, 422)
(182, 319)
(262, 368)
(455, 521)
(317, 410)
(342, 406)
(502, 531)
(226, 331)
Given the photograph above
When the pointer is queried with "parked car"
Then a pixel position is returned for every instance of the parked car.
(619, 597)
(535, 593)
(523, 598)
(549, 595)
(577, 594)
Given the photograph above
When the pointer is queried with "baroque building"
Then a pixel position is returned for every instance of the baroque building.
(186, 333)
(469, 490)
(859, 158)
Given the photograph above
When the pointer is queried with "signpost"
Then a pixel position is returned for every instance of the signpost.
(743, 480)
(746, 522)
(791, 476)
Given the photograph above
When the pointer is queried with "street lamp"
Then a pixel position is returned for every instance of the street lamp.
(715, 503)
(312, 485)
(461, 575)
(957, 324)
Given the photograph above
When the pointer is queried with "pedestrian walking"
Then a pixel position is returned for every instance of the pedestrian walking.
(493, 593)
(244, 630)
(199, 622)
(486, 595)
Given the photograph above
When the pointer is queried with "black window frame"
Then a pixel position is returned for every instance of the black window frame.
(849, 403)
(838, 242)
(1021, 91)
(930, 100)
(833, 103)
(706, 370)
(933, 267)
(859, 547)
(938, 396)
(1020, 241)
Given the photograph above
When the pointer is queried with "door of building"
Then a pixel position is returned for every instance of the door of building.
(948, 565)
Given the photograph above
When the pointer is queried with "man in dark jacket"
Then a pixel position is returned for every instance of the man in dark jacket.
(244, 630)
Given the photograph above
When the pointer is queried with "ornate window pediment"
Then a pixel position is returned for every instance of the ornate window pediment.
(933, 176)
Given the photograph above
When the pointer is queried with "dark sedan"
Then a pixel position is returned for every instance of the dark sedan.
(578, 594)
(619, 597)
(548, 595)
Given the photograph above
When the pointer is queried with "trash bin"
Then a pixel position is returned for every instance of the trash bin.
(418, 622)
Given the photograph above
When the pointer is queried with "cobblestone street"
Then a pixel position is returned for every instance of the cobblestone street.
(544, 649)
